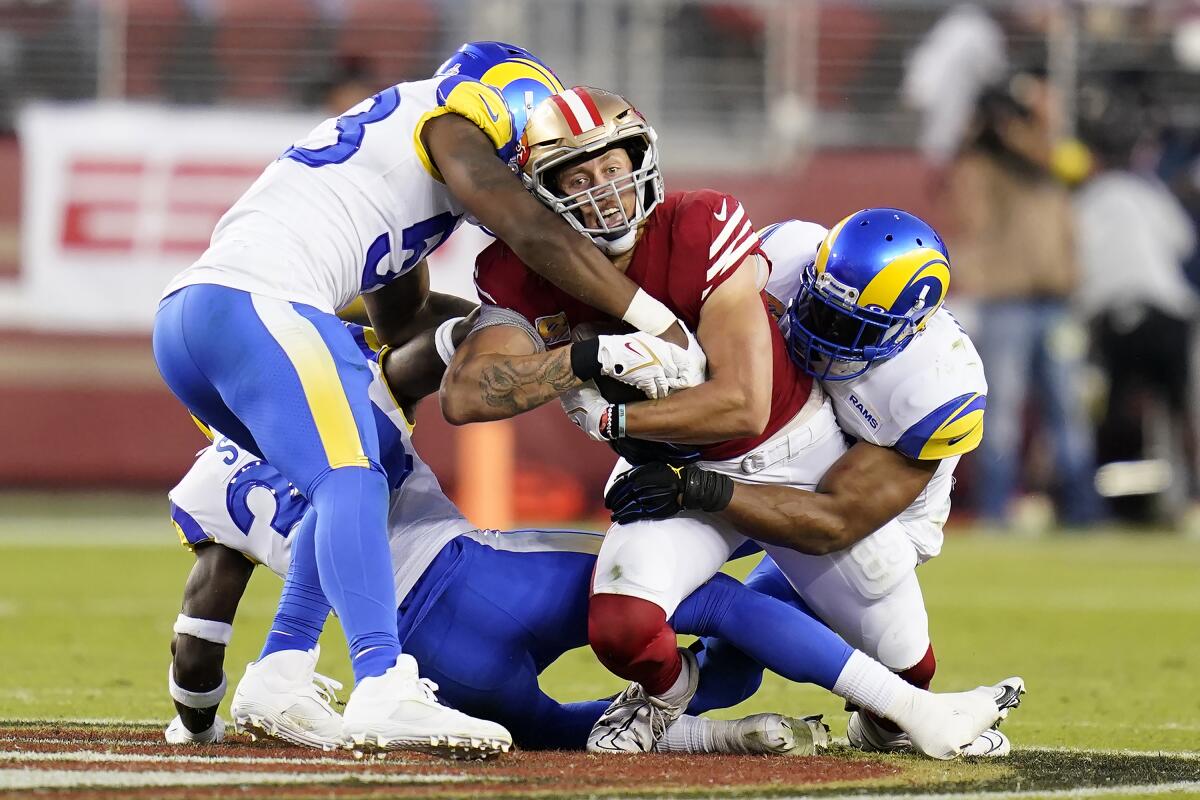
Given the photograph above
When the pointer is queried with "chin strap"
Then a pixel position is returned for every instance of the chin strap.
(618, 246)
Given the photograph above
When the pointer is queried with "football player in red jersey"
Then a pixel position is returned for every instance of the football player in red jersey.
(590, 156)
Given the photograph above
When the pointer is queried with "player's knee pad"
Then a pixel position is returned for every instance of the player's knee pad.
(626, 631)
(900, 642)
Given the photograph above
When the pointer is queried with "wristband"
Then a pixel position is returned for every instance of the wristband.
(620, 421)
(608, 423)
(443, 339)
(706, 491)
(648, 314)
(585, 359)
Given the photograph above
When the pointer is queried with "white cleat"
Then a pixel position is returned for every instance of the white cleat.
(989, 744)
(866, 734)
(942, 726)
(398, 710)
(635, 721)
(283, 696)
(775, 734)
(177, 733)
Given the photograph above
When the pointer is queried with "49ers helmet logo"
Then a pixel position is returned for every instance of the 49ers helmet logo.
(522, 151)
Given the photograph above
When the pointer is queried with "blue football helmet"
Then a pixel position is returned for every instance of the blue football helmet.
(517, 74)
(876, 278)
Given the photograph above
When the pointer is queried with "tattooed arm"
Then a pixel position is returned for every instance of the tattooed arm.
(497, 373)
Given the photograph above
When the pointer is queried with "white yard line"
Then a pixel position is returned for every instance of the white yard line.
(70, 779)
(91, 756)
(97, 721)
(1092, 791)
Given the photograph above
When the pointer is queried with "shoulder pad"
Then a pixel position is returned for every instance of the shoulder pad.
(479, 103)
(790, 245)
(951, 429)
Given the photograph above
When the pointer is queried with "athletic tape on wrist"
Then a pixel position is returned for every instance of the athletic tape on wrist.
(443, 339)
(206, 629)
(585, 359)
(647, 314)
(194, 699)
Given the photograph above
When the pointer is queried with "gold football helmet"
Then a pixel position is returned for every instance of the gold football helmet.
(577, 125)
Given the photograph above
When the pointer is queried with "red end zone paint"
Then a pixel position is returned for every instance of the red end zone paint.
(123, 753)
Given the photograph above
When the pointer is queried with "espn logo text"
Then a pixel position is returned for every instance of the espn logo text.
(120, 206)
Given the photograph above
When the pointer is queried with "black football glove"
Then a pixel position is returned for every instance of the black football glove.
(660, 491)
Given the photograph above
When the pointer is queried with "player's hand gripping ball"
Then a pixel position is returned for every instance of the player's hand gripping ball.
(652, 366)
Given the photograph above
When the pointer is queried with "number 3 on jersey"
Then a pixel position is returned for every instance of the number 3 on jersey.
(417, 241)
(336, 139)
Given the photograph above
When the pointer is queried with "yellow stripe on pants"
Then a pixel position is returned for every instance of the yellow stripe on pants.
(319, 380)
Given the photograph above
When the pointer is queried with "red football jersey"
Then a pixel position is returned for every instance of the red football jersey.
(690, 245)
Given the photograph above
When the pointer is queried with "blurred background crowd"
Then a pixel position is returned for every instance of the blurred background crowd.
(1055, 144)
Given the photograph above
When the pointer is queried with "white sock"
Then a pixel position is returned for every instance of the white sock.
(679, 688)
(689, 735)
(871, 686)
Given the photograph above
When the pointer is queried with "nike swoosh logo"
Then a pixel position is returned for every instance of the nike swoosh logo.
(633, 350)
(957, 439)
(495, 117)
(720, 215)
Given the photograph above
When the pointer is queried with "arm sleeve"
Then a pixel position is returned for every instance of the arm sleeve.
(490, 316)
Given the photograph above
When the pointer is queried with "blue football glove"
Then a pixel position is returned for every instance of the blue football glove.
(660, 491)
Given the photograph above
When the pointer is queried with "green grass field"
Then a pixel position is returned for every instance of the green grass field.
(1105, 628)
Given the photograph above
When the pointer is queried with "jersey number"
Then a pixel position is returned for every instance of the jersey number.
(418, 241)
(349, 129)
(289, 505)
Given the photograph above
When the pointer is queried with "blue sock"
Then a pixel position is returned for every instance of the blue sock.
(355, 564)
(303, 608)
(729, 676)
(774, 634)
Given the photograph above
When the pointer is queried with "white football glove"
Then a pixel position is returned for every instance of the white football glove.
(177, 733)
(585, 407)
(653, 365)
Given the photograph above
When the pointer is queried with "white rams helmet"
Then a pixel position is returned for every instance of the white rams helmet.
(579, 124)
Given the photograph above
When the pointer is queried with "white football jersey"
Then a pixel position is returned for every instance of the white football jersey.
(351, 206)
(235, 499)
(927, 402)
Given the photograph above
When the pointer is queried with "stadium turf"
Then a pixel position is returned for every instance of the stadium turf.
(1104, 628)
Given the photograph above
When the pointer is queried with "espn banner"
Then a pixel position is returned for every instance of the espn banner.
(118, 198)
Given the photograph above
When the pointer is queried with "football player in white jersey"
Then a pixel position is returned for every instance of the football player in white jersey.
(484, 611)
(907, 384)
(248, 339)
